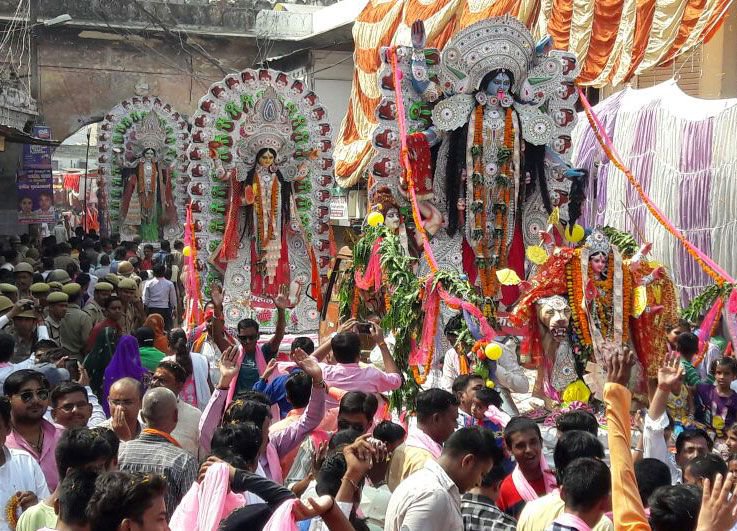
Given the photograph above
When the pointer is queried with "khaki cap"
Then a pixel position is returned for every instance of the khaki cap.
(104, 286)
(8, 288)
(59, 275)
(55, 285)
(127, 283)
(24, 267)
(39, 288)
(125, 268)
(112, 278)
(28, 314)
(57, 297)
(5, 303)
(72, 289)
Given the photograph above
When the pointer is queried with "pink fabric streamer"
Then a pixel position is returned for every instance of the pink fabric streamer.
(707, 325)
(371, 277)
(454, 302)
(282, 519)
(207, 503)
(431, 307)
(663, 218)
(730, 317)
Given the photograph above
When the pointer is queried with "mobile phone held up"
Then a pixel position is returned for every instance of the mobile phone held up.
(364, 328)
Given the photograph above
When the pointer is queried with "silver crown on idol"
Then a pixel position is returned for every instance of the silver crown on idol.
(268, 126)
(150, 134)
(597, 242)
(488, 45)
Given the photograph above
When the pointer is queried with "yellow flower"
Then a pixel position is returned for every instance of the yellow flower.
(578, 391)
(537, 254)
(508, 277)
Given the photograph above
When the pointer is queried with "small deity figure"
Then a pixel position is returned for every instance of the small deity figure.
(147, 206)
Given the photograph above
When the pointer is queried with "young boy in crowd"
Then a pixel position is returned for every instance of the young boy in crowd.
(716, 405)
(478, 505)
(531, 477)
(493, 419)
(687, 345)
(586, 489)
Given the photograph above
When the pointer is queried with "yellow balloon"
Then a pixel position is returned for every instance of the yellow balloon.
(508, 277)
(537, 255)
(375, 218)
(493, 351)
(574, 234)
(187, 251)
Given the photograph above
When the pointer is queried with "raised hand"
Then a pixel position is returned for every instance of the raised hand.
(229, 367)
(418, 35)
(377, 334)
(282, 301)
(361, 456)
(718, 505)
(204, 467)
(619, 366)
(216, 293)
(270, 367)
(348, 326)
(308, 364)
(670, 375)
(312, 507)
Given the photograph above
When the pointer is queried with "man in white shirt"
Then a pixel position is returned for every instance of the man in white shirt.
(19, 472)
(430, 499)
(160, 296)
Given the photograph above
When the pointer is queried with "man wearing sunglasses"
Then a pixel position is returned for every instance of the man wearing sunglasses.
(28, 391)
(255, 356)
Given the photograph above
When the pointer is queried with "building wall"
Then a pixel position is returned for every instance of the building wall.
(9, 162)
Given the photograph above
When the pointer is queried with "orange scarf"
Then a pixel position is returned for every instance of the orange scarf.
(168, 437)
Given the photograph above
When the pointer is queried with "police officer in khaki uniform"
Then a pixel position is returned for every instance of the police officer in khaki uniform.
(9, 291)
(59, 275)
(40, 292)
(96, 307)
(76, 326)
(58, 305)
(113, 279)
(55, 286)
(133, 312)
(23, 274)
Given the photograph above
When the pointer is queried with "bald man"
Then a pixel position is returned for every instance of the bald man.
(124, 403)
(156, 451)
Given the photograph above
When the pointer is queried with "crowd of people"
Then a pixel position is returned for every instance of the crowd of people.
(114, 417)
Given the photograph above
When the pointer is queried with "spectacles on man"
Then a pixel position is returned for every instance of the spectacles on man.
(69, 407)
(27, 396)
(250, 337)
(122, 403)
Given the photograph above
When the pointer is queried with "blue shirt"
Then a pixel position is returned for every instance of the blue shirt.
(276, 391)
(249, 375)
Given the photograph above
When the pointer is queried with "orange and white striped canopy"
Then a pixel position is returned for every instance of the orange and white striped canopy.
(613, 39)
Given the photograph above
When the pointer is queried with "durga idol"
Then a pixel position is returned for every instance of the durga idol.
(258, 225)
(147, 203)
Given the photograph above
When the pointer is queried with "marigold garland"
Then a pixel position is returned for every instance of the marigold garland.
(11, 511)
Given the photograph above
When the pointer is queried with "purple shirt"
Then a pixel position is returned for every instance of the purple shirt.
(716, 411)
(47, 459)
